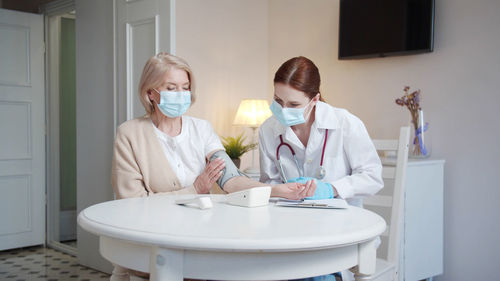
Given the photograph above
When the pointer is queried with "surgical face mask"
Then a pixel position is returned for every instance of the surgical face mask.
(288, 116)
(174, 104)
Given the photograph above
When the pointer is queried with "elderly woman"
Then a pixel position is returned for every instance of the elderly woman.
(167, 152)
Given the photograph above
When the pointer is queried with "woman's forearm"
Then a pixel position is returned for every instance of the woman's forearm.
(240, 183)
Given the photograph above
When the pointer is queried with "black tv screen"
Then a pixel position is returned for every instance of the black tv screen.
(379, 28)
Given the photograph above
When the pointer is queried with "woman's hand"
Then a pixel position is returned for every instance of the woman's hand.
(294, 190)
(209, 176)
(324, 190)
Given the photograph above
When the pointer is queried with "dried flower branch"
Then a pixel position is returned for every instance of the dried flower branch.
(412, 102)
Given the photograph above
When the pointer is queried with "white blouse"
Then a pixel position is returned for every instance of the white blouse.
(187, 151)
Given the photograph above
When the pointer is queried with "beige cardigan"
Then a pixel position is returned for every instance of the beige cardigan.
(140, 167)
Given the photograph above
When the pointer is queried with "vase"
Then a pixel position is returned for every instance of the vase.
(420, 144)
(237, 162)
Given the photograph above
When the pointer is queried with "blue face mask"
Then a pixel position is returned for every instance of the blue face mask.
(288, 116)
(174, 104)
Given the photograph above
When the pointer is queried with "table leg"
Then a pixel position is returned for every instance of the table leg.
(367, 255)
(166, 264)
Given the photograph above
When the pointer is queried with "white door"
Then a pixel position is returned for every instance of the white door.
(143, 29)
(22, 126)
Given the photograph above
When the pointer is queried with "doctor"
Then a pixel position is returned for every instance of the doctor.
(307, 138)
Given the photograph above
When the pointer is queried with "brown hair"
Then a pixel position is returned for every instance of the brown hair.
(301, 74)
(153, 73)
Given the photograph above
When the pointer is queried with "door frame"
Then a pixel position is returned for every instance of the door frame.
(52, 12)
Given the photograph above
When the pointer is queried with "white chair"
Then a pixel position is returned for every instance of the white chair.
(389, 203)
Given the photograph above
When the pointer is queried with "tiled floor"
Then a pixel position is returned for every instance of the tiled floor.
(44, 264)
(71, 243)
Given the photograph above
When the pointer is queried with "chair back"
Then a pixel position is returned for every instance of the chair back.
(390, 200)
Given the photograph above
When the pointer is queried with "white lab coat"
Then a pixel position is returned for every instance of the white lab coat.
(351, 161)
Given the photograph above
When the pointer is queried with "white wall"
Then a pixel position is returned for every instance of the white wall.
(459, 84)
(235, 47)
(226, 43)
(94, 117)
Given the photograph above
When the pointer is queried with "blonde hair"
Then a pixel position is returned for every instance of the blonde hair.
(153, 73)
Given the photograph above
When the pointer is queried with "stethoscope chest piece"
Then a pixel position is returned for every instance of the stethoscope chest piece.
(320, 174)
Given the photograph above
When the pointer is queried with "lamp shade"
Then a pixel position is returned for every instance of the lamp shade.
(252, 113)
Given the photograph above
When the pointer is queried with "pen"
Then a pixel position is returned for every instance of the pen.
(314, 204)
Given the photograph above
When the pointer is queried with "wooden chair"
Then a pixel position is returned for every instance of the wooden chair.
(389, 203)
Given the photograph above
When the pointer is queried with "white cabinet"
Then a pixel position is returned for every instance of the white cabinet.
(421, 253)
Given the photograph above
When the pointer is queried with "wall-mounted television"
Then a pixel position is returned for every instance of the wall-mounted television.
(379, 28)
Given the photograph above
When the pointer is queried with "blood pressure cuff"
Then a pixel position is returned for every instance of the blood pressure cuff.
(230, 171)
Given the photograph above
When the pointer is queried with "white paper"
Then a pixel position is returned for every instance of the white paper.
(281, 199)
(334, 203)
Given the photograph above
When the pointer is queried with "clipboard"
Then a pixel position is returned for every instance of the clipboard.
(334, 203)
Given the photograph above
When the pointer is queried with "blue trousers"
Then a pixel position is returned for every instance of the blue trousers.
(329, 277)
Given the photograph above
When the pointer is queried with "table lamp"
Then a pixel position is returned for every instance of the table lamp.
(251, 113)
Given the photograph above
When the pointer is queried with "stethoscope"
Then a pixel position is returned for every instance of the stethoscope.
(320, 174)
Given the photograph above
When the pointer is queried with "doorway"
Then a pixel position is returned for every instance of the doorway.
(22, 137)
(61, 152)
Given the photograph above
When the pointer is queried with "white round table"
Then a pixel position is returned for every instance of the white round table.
(226, 242)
